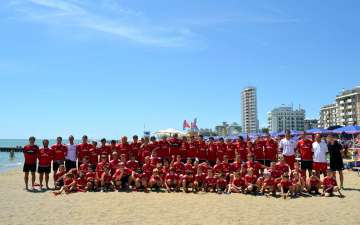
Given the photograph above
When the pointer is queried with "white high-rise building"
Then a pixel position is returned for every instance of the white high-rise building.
(286, 118)
(250, 122)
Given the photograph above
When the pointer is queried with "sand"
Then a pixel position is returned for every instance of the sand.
(21, 207)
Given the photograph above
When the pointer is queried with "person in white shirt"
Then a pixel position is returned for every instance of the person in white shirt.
(287, 147)
(320, 150)
(70, 159)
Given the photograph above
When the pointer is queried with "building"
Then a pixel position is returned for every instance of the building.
(348, 107)
(226, 129)
(284, 118)
(328, 116)
(310, 124)
(250, 122)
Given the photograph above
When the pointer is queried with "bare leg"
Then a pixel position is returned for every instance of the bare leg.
(33, 178)
(41, 178)
(47, 180)
(26, 180)
(341, 175)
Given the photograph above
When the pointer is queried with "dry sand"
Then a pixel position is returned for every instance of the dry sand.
(21, 207)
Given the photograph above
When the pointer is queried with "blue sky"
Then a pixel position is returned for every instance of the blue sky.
(108, 67)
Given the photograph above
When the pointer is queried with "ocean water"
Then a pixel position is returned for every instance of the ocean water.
(6, 143)
(7, 163)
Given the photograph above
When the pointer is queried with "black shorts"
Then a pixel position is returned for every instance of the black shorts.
(306, 165)
(29, 168)
(44, 169)
(69, 165)
(125, 180)
(268, 162)
(56, 165)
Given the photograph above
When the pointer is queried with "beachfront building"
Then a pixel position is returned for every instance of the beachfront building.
(348, 107)
(226, 129)
(285, 117)
(310, 124)
(250, 122)
(328, 115)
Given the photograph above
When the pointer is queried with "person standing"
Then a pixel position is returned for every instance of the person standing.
(336, 160)
(59, 151)
(45, 156)
(320, 149)
(287, 147)
(304, 147)
(70, 159)
(30, 154)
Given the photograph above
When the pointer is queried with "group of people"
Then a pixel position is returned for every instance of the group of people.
(263, 166)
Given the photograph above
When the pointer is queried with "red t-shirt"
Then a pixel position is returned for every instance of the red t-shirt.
(184, 149)
(60, 152)
(100, 168)
(305, 149)
(147, 170)
(210, 181)
(201, 153)
(163, 151)
(211, 154)
(269, 182)
(221, 183)
(271, 150)
(30, 154)
(221, 151)
(242, 150)
(135, 148)
(250, 179)
(94, 155)
(285, 183)
(84, 167)
(133, 165)
(174, 146)
(192, 151)
(172, 177)
(83, 150)
(124, 148)
(200, 178)
(179, 167)
(218, 168)
(284, 168)
(104, 150)
(230, 151)
(145, 151)
(259, 150)
(90, 176)
(239, 182)
(45, 155)
(329, 182)
(236, 167)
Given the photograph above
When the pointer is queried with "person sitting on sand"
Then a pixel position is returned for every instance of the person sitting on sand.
(269, 185)
(69, 185)
(155, 182)
(199, 180)
(298, 184)
(250, 181)
(91, 184)
(330, 185)
(106, 180)
(221, 185)
(81, 181)
(313, 183)
(172, 181)
(238, 184)
(59, 177)
(121, 177)
(285, 186)
(210, 182)
(187, 181)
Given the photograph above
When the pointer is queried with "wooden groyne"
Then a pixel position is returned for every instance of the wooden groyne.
(9, 149)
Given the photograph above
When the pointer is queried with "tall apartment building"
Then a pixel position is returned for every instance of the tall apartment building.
(310, 124)
(250, 122)
(348, 111)
(283, 118)
(345, 112)
(328, 115)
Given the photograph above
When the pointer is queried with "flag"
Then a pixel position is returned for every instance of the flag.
(194, 124)
(185, 125)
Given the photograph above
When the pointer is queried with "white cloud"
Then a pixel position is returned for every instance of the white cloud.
(81, 14)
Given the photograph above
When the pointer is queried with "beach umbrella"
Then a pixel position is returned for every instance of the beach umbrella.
(318, 131)
(169, 131)
(348, 130)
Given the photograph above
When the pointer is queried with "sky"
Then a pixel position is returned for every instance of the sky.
(108, 68)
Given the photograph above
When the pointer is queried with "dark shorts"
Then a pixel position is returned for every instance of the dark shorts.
(29, 168)
(44, 169)
(306, 165)
(268, 162)
(56, 165)
(69, 165)
(125, 180)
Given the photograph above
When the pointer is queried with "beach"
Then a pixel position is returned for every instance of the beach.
(21, 207)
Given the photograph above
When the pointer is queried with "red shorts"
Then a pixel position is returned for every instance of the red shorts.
(320, 167)
(290, 160)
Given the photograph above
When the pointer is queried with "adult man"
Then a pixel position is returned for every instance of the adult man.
(59, 151)
(271, 150)
(320, 149)
(30, 154)
(70, 158)
(304, 146)
(287, 147)
(45, 156)
(83, 149)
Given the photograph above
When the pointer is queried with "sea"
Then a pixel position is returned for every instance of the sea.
(7, 162)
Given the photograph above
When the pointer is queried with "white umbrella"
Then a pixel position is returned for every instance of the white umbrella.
(169, 131)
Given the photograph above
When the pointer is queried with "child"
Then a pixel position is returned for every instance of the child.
(250, 181)
(298, 184)
(84, 167)
(155, 180)
(90, 178)
(69, 185)
(59, 177)
(282, 166)
(269, 185)
(121, 177)
(285, 185)
(221, 184)
(187, 181)
(172, 181)
(81, 182)
(313, 183)
(106, 184)
(210, 182)
(330, 185)
(199, 180)
(238, 184)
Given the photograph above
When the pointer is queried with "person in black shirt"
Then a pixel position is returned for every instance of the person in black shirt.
(336, 159)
